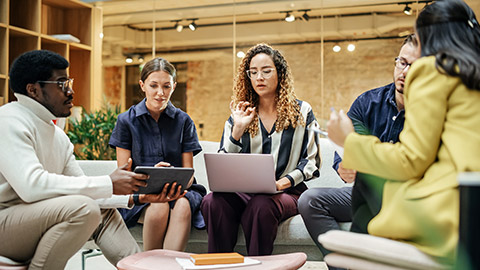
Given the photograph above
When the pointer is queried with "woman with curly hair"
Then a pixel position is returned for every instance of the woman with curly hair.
(266, 119)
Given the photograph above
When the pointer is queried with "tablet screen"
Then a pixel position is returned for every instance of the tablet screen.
(159, 176)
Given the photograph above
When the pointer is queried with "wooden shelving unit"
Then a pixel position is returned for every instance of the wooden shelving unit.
(29, 25)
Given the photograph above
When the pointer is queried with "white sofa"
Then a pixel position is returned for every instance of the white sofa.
(292, 235)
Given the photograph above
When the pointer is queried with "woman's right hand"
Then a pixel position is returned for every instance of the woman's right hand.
(174, 194)
(242, 115)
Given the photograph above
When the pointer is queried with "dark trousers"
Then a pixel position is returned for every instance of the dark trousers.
(366, 200)
(259, 215)
(323, 208)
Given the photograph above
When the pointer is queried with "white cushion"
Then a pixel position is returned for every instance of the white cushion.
(199, 162)
(328, 176)
(377, 249)
(350, 262)
(97, 167)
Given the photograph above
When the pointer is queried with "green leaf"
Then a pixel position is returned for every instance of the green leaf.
(91, 135)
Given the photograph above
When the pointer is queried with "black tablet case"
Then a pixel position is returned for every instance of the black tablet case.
(159, 176)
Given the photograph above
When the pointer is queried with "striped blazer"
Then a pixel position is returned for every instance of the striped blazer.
(296, 151)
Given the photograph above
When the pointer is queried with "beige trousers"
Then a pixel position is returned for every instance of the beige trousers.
(48, 233)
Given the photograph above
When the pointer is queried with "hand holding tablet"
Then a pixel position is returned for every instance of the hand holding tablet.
(170, 192)
(159, 176)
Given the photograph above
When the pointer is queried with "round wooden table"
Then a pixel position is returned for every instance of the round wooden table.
(165, 259)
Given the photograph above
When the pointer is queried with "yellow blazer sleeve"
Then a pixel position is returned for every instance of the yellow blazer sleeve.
(426, 95)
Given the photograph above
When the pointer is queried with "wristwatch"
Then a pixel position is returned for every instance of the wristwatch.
(136, 199)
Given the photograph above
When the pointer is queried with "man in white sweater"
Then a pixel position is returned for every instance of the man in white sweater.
(48, 207)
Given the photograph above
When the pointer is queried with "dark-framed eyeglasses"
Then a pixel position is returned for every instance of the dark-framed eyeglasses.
(266, 73)
(64, 85)
(401, 63)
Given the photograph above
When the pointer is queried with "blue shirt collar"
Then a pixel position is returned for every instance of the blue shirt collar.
(141, 109)
(390, 98)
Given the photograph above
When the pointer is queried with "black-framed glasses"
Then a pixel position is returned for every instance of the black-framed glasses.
(401, 63)
(64, 85)
(266, 73)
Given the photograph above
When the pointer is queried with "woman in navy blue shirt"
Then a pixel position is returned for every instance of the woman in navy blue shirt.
(155, 133)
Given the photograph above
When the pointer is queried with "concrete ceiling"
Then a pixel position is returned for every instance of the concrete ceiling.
(128, 24)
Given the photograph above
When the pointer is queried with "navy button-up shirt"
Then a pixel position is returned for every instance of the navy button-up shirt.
(375, 112)
(151, 142)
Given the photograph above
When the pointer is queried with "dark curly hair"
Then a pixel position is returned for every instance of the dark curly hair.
(449, 30)
(34, 66)
(288, 110)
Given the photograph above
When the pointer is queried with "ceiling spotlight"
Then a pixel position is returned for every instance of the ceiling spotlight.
(407, 10)
(193, 26)
(351, 47)
(240, 54)
(289, 17)
(178, 27)
(337, 48)
(140, 58)
(305, 16)
(129, 59)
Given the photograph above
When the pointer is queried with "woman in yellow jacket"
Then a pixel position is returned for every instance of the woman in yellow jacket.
(441, 137)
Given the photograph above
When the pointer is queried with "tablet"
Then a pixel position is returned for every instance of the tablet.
(159, 176)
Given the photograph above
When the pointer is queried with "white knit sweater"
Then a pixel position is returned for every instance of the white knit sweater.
(36, 158)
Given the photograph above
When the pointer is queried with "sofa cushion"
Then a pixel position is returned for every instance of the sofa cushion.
(328, 176)
(199, 162)
(97, 167)
(371, 248)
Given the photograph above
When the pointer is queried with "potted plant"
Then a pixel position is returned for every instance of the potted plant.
(91, 134)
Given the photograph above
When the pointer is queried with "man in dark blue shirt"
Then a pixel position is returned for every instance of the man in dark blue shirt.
(379, 112)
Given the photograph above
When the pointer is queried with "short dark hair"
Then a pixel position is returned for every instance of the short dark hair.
(158, 64)
(33, 66)
(450, 31)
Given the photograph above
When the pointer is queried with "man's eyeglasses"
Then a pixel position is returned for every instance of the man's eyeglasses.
(64, 85)
(401, 64)
(266, 73)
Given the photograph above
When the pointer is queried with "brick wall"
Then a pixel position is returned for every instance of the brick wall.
(347, 74)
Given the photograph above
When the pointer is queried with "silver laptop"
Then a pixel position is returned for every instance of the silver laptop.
(233, 172)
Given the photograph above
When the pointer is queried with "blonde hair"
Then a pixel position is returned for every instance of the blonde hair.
(288, 110)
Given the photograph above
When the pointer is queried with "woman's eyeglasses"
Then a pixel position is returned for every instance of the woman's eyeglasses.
(266, 73)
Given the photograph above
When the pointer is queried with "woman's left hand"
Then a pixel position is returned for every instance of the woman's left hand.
(283, 183)
(173, 194)
(162, 164)
(339, 126)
